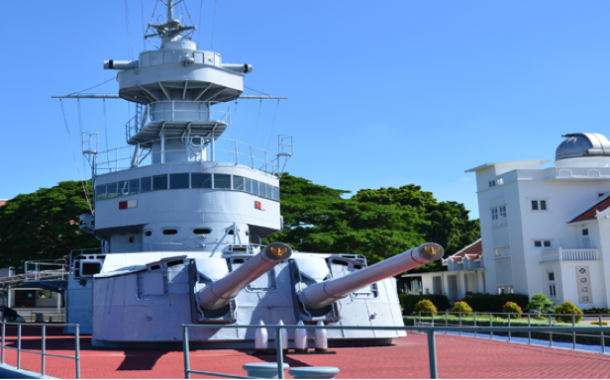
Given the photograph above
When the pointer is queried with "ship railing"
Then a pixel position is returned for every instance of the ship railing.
(43, 351)
(219, 150)
(45, 269)
(429, 330)
(174, 111)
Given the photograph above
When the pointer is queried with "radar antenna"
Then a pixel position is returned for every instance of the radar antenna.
(171, 29)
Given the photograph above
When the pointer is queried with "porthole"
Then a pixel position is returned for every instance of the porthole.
(196, 141)
(170, 232)
(230, 232)
(174, 263)
(148, 233)
(131, 239)
(202, 231)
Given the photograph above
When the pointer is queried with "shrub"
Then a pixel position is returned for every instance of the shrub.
(604, 323)
(512, 308)
(425, 306)
(408, 301)
(568, 308)
(597, 310)
(462, 307)
(540, 304)
(493, 303)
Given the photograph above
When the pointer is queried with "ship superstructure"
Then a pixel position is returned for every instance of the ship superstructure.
(182, 213)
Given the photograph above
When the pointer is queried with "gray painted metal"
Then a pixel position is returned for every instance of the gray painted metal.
(583, 145)
(327, 292)
(116, 96)
(224, 290)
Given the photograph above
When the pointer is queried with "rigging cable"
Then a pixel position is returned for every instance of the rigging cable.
(143, 27)
(234, 121)
(214, 25)
(106, 135)
(260, 106)
(97, 85)
(277, 107)
(74, 155)
(129, 48)
(200, 15)
(80, 126)
(260, 92)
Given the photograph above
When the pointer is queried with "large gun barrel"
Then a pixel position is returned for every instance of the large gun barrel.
(326, 292)
(221, 292)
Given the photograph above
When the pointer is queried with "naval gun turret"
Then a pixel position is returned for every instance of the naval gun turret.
(327, 292)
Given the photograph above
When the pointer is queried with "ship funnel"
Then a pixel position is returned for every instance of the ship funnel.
(223, 291)
(325, 293)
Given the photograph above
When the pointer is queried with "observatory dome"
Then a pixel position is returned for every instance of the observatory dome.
(583, 149)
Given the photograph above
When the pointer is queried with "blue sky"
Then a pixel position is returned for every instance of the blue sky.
(381, 94)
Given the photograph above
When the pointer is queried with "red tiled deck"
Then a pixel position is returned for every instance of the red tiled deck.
(458, 357)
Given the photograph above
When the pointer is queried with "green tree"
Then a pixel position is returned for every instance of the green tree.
(540, 303)
(375, 223)
(43, 224)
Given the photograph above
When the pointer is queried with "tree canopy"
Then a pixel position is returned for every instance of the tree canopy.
(43, 224)
(375, 223)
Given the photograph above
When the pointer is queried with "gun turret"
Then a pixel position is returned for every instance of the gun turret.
(221, 292)
(325, 293)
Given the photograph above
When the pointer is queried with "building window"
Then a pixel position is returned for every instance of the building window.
(498, 216)
(505, 290)
(492, 183)
(551, 283)
(498, 251)
(500, 181)
(542, 243)
(539, 205)
(551, 276)
(552, 291)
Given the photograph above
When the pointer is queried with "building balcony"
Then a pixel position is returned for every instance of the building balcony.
(562, 254)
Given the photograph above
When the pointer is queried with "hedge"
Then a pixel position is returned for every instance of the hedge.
(493, 303)
(408, 301)
(591, 338)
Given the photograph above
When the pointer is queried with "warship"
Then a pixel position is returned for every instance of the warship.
(182, 212)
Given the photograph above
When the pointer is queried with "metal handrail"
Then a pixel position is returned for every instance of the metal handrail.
(43, 354)
(429, 330)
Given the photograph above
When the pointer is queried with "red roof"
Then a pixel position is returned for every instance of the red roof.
(471, 252)
(600, 206)
(2, 202)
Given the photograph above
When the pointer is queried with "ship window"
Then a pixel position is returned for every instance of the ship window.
(155, 267)
(131, 239)
(170, 232)
(148, 233)
(202, 231)
(222, 181)
(179, 181)
(124, 188)
(160, 182)
(112, 190)
(276, 193)
(238, 183)
(146, 184)
(100, 192)
(267, 190)
(174, 263)
(134, 186)
(91, 268)
(254, 187)
(201, 181)
(248, 185)
(196, 141)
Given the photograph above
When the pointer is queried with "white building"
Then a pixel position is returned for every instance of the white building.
(547, 230)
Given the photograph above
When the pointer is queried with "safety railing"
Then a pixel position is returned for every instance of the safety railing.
(172, 111)
(430, 331)
(35, 269)
(181, 150)
(516, 320)
(43, 351)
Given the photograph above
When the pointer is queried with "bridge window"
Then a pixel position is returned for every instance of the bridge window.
(112, 190)
(123, 188)
(100, 192)
(238, 183)
(160, 182)
(134, 186)
(201, 181)
(222, 181)
(146, 184)
(179, 181)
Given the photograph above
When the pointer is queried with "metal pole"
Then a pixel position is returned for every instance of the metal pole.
(42, 350)
(600, 325)
(185, 349)
(419, 317)
(460, 321)
(491, 324)
(117, 159)
(573, 332)
(279, 354)
(509, 326)
(77, 349)
(475, 323)
(529, 333)
(432, 354)
(3, 334)
(446, 321)
(550, 332)
(19, 346)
